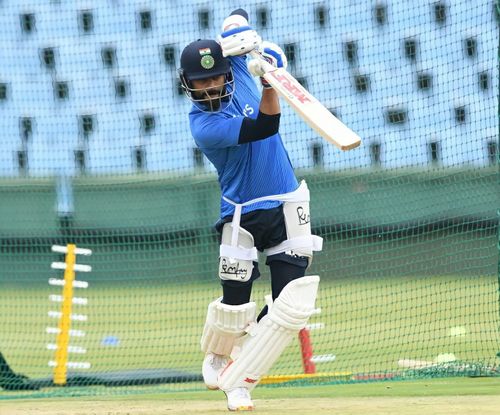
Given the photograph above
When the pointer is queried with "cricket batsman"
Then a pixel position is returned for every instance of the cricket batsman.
(263, 209)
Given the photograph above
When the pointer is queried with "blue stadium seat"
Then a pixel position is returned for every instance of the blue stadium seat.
(51, 147)
(321, 61)
(109, 147)
(10, 144)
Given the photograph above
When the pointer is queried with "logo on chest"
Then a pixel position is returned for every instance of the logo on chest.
(248, 110)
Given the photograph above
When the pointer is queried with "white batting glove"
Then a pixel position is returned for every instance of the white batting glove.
(237, 37)
(274, 56)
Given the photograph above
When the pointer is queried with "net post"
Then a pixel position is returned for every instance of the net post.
(307, 351)
(62, 341)
(63, 330)
(498, 240)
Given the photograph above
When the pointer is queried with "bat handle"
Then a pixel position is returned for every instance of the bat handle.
(266, 65)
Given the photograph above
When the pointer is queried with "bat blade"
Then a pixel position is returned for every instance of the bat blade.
(313, 112)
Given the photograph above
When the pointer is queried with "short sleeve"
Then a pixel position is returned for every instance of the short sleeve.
(216, 130)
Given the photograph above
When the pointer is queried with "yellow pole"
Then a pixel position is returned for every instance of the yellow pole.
(62, 342)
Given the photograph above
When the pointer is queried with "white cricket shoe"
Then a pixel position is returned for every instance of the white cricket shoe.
(239, 399)
(212, 366)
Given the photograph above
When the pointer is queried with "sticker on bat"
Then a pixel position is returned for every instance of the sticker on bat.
(288, 84)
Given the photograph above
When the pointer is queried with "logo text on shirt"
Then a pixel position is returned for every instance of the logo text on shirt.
(248, 110)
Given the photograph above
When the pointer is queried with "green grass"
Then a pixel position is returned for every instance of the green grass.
(428, 387)
(368, 325)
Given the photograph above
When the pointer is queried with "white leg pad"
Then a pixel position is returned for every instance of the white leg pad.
(224, 325)
(288, 315)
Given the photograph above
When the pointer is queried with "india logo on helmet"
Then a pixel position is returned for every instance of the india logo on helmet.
(207, 62)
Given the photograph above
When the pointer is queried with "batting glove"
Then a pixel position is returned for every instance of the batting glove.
(237, 37)
(274, 56)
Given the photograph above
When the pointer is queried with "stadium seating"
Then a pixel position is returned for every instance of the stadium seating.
(110, 62)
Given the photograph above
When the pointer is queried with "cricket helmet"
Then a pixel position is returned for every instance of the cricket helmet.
(203, 59)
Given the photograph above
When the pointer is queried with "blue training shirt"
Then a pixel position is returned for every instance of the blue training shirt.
(245, 171)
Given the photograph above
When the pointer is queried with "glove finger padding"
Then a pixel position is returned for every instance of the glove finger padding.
(256, 67)
(273, 54)
(274, 57)
(237, 37)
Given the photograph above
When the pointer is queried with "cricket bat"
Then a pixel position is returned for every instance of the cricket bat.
(313, 112)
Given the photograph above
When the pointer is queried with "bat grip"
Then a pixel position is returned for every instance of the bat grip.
(256, 54)
(266, 65)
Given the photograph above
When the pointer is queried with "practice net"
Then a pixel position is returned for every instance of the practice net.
(95, 151)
